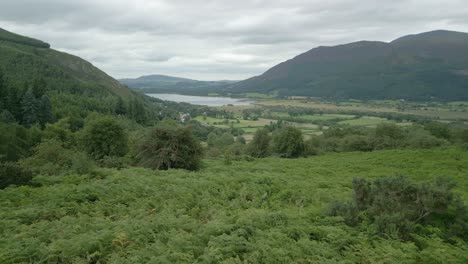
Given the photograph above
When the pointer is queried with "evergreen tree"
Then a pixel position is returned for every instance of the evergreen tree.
(7, 117)
(29, 109)
(137, 111)
(120, 108)
(3, 92)
(44, 111)
(39, 87)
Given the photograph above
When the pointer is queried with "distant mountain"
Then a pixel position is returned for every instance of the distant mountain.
(432, 65)
(169, 84)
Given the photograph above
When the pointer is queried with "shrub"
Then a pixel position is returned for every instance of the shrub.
(51, 158)
(113, 162)
(220, 141)
(395, 206)
(289, 143)
(13, 174)
(420, 138)
(260, 144)
(167, 148)
(105, 137)
(356, 143)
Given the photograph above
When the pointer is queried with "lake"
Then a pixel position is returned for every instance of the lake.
(199, 100)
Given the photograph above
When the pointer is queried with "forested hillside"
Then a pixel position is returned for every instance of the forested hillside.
(427, 66)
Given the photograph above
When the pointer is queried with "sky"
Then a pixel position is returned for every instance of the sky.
(217, 39)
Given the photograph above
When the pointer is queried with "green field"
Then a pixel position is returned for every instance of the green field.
(250, 126)
(316, 117)
(265, 211)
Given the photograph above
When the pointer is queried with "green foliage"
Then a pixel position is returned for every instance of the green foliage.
(105, 137)
(29, 108)
(113, 162)
(289, 143)
(44, 113)
(220, 140)
(263, 211)
(12, 174)
(16, 141)
(395, 207)
(170, 148)
(259, 147)
(52, 158)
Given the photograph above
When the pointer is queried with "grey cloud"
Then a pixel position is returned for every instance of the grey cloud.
(217, 39)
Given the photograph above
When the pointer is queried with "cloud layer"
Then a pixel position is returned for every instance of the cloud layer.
(217, 39)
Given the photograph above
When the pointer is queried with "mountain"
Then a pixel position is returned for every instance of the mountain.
(431, 65)
(23, 58)
(74, 86)
(169, 84)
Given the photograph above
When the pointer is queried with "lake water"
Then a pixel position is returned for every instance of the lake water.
(199, 100)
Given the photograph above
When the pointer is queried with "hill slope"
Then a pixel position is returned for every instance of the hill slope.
(260, 212)
(432, 65)
(74, 86)
(169, 84)
(26, 59)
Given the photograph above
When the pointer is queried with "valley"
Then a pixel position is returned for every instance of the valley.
(356, 153)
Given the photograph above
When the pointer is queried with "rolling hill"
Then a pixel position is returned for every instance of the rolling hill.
(169, 84)
(427, 66)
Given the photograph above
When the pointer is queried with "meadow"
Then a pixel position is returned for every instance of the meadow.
(260, 211)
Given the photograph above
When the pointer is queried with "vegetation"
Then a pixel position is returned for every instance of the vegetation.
(398, 208)
(169, 148)
(262, 211)
(260, 145)
(289, 143)
(91, 172)
(105, 137)
(12, 174)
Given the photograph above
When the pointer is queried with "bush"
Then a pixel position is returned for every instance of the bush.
(13, 174)
(113, 162)
(51, 158)
(289, 143)
(170, 148)
(395, 206)
(260, 145)
(356, 143)
(105, 137)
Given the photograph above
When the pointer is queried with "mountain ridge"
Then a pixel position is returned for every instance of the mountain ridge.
(416, 67)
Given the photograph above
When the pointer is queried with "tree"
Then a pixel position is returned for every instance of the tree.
(44, 111)
(29, 109)
(259, 146)
(137, 111)
(170, 148)
(12, 174)
(220, 141)
(105, 137)
(289, 143)
(120, 108)
(39, 87)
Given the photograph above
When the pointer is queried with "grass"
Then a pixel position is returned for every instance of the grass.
(316, 117)
(265, 211)
(365, 121)
(441, 111)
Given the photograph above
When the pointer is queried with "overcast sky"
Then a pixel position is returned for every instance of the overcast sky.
(217, 39)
